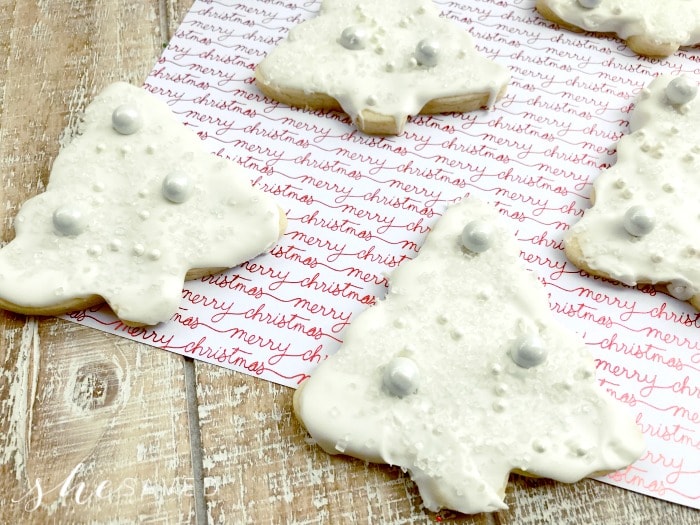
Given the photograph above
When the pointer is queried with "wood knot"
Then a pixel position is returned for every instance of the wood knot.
(96, 385)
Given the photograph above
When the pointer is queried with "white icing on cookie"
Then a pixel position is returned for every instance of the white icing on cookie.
(668, 21)
(681, 289)
(105, 227)
(386, 65)
(476, 414)
(656, 172)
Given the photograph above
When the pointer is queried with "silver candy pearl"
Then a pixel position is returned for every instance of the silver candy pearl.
(681, 90)
(354, 37)
(529, 351)
(639, 221)
(428, 52)
(477, 236)
(69, 220)
(401, 376)
(126, 119)
(177, 187)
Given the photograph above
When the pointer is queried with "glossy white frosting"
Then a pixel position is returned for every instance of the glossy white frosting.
(476, 414)
(656, 171)
(667, 21)
(383, 69)
(105, 227)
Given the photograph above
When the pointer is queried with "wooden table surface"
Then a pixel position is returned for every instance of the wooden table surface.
(98, 429)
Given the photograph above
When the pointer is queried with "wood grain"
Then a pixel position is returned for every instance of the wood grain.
(98, 429)
(93, 427)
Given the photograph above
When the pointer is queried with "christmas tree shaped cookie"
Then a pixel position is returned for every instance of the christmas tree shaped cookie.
(649, 27)
(461, 376)
(644, 226)
(380, 62)
(133, 207)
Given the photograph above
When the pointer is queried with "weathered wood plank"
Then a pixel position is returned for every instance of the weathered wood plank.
(535, 501)
(92, 427)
